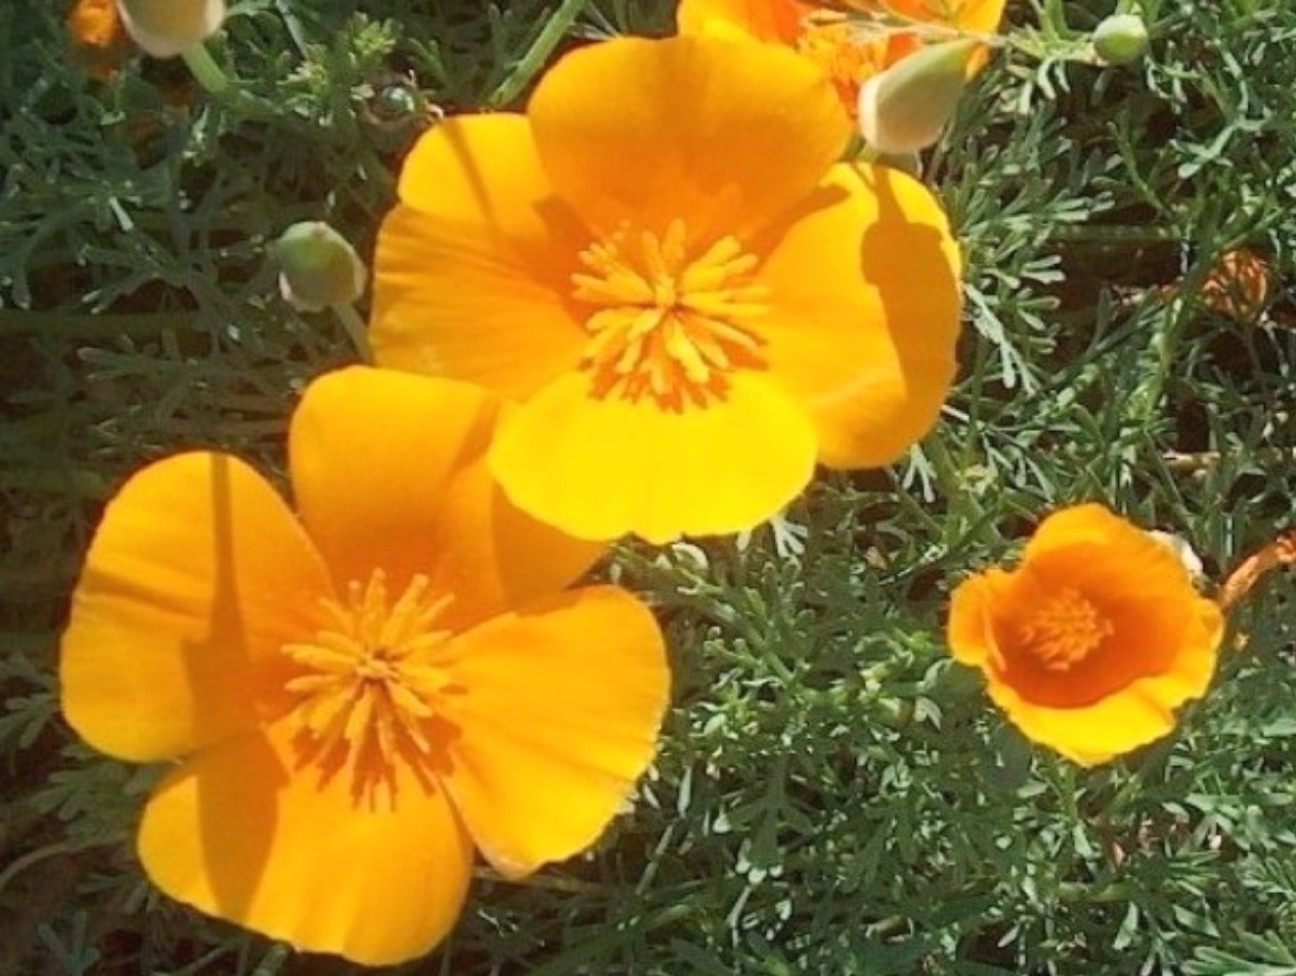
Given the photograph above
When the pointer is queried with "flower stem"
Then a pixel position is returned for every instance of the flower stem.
(355, 329)
(534, 60)
(205, 70)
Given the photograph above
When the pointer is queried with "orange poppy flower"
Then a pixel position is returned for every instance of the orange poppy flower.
(1094, 640)
(361, 694)
(847, 48)
(689, 298)
(99, 39)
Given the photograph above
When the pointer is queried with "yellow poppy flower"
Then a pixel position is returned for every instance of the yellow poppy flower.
(361, 694)
(663, 264)
(1094, 640)
(840, 44)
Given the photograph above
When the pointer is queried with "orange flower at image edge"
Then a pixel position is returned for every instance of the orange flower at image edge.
(689, 299)
(839, 43)
(361, 694)
(1094, 640)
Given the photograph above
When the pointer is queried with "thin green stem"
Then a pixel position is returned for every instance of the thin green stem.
(205, 70)
(534, 60)
(356, 330)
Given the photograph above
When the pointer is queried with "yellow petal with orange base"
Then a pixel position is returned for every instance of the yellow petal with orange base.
(864, 312)
(244, 832)
(196, 577)
(472, 273)
(724, 136)
(601, 468)
(389, 470)
(559, 716)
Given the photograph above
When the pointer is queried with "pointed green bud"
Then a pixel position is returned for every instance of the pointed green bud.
(905, 108)
(318, 268)
(165, 28)
(1121, 39)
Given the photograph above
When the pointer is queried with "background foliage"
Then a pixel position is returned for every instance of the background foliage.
(832, 796)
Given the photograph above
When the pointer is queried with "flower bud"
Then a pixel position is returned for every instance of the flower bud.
(317, 267)
(1182, 549)
(903, 109)
(1121, 39)
(165, 28)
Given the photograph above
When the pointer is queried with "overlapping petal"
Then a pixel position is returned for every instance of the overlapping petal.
(473, 269)
(243, 832)
(197, 576)
(390, 472)
(725, 136)
(599, 468)
(558, 717)
(864, 312)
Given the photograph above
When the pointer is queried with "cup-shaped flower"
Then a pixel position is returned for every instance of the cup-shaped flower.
(360, 694)
(852, 40)
(165, 28)
(1094, 640)
(689, 298)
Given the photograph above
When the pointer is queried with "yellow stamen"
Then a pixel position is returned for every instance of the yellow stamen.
(1064, 630)
(367, 690)
(671, 324)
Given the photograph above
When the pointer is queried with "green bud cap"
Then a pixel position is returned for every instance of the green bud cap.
(165, 28)
(317, 267)
(1121, 39)
(905, 108)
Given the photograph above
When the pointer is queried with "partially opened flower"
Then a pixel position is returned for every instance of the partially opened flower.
(662, 263)
(851, 41)
(1094, 640)
(361, 694)
(165, 28)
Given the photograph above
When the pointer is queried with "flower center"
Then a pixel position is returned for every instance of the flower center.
(1064, 630)
(367, 691)
(671, 325)
(844, 51)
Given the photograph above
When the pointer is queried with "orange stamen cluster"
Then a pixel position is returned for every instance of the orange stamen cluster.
(671, 325)
(368, 690)
(1064, 630)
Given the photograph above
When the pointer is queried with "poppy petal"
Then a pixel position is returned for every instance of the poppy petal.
(864, 312)
(558, 716)
(600, 468)
(242, 832)
(196, 578)
(723, 135)
(472, 271)
(390, 472)
(766, 20)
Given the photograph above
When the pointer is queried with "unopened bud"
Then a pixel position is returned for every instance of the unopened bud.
(905, 108)
(1182, 549)
(318, 268)
(1121, 39)
(165, 28)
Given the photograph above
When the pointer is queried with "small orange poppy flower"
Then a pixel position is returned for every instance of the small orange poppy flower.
(98, 36)
(844, 46)
(363, 693)
(1094, 640)
(691, 300)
